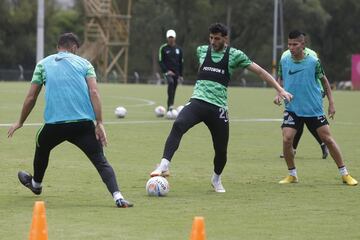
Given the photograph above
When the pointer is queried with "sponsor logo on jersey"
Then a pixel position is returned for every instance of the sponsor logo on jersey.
(212, 69)
(294, 72)
(57, 59)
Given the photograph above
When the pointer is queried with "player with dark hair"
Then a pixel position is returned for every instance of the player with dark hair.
(208, 104)
(326, 91)
(72, 104)
(299, 73)
(171, 64)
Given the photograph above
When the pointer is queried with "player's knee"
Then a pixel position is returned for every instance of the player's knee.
(220, 153)
(328, 140)
(99, 160)
(179, 126)
(171, 81)
(287, 140)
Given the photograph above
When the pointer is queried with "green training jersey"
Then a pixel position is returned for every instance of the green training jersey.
(214, 92)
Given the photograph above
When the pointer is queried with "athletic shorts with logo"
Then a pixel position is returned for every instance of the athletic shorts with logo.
(291, 120)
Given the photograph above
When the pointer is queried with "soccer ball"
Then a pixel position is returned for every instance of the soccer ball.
(120, 112)
(179, 108)
(171, 114)
(157, 186)
(160, 111)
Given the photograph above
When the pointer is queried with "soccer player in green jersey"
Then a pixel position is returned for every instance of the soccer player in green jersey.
(299, 73)
(72, 105)
(208, 104)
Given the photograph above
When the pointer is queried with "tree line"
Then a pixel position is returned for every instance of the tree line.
(332, 28)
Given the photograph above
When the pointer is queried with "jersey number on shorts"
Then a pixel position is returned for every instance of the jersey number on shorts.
(223, 114)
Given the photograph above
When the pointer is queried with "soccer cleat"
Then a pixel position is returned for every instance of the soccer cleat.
(26, 180)
(122, 203)
(325, 151)
(349, 180)
(217, 185)
(289, 179)
(160, 172)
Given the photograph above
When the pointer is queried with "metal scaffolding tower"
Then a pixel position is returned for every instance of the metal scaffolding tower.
(278, 34)
(106, 43)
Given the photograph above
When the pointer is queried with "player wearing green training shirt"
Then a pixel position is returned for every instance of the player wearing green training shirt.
(208, 103)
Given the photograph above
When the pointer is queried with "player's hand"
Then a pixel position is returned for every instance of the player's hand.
(277, 100)
(170, 73)
(331, 111)
(13, 128)
(101, 134)
(285, 95)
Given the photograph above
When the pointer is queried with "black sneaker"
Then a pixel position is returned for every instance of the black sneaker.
(325, 151)
(26, 180)
(122, 203)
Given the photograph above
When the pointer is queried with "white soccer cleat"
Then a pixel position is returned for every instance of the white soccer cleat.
(160, 172)
(217, 185)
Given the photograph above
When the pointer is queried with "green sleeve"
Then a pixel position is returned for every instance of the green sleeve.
(280, 70)
(319, 72)
(39, 76)
(238, 59)
(91, 71)
(201, 53)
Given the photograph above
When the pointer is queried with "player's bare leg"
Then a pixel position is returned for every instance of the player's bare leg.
(334, 149)
(288, 138)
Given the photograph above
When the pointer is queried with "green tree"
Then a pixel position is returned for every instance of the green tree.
(16, 40)
(331, 25)
(59, 21)
(341, 38)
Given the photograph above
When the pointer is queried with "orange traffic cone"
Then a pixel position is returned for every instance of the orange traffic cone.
(198, 229)
(38, 229)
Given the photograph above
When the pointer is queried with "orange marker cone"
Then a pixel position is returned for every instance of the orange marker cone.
(38, 229)
(198, 229)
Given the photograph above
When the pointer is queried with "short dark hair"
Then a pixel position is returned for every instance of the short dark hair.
(218, 28)
(295, 34)
(67, 40)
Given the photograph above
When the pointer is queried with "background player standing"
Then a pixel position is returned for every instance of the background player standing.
(171, 64)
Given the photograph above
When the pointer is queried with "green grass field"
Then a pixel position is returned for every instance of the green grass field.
(255, 206)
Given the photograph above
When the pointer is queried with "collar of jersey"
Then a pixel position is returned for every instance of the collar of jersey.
(222, 51)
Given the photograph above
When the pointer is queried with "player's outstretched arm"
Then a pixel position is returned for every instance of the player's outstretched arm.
(265, 76)
(28, 106)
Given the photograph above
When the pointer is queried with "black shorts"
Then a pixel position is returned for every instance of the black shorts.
(291, 120)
